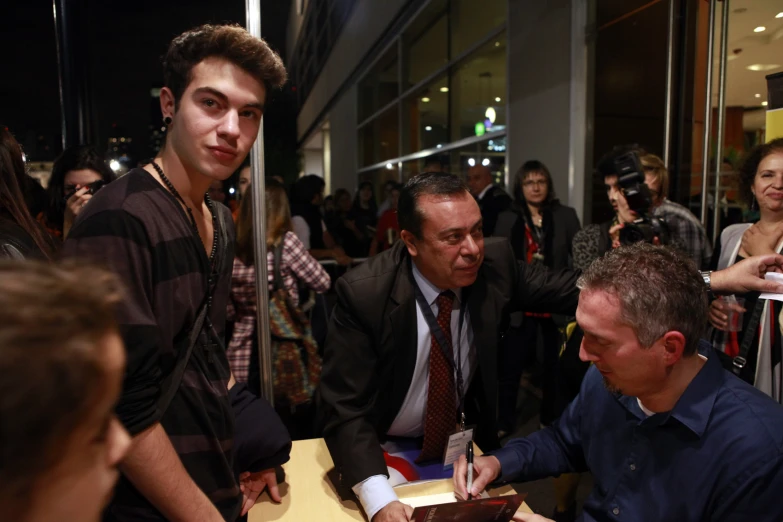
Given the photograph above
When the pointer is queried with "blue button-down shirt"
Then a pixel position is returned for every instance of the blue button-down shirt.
(717, 456)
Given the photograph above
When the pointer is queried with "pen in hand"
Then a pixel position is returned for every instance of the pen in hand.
(469, 456)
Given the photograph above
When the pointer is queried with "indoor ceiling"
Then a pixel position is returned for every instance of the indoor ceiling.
(747, 47)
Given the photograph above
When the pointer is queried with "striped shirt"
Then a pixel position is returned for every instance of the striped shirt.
(296, 265)
(136, 228)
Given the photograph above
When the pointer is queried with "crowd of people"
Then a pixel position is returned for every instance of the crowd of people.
(128, 311)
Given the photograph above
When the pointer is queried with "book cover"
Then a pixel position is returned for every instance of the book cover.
(497, 509)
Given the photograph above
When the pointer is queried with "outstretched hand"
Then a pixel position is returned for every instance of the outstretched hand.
(748, 276)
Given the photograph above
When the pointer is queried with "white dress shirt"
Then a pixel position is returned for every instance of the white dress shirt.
(375, 492)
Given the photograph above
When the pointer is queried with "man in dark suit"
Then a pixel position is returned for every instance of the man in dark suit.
(381, 363)
(492, 200)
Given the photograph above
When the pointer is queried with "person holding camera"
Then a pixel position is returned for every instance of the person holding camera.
(665, 431)
(679, 219)
(77, 174)
(761, 184)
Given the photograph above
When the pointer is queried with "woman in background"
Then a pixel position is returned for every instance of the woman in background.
(297, 268)
(541, 231)
(364, 215)
(761, 185)
(20, 235)
(78, 173)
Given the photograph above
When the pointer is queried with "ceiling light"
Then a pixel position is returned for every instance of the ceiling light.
(439, 146)
(490, 114)
(425, 100)
(472, 162)
(389, 166)
(497, 99)
(444, 89)
(759, 29)
(428, 128)
(485, 162)
(779, 15)
(763, 104)
(497, 44)
(758, 95)
(762, 67)
(231, 190)
(114, 165)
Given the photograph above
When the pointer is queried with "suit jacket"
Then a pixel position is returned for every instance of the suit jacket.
(495, 201)
(370, 352)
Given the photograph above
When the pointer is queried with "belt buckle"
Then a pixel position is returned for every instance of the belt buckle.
(739, 363)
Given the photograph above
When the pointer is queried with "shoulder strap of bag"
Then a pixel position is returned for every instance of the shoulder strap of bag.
(175, 378)
(741, 359)
(739, 362)
(278, 274)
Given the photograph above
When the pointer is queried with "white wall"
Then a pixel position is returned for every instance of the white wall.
(343, 142)
(314, 162)
(540, 108)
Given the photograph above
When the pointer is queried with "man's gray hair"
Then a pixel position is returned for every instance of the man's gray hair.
(659, 289)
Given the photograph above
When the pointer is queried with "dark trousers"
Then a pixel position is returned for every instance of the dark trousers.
(519, 351)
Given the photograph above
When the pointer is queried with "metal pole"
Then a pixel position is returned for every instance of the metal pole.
(258, 193)
(705, 157)
(724, 45)
(667, 122)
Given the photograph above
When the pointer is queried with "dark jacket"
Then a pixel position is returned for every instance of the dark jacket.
(371, 348)
(560, 224)
(495, 201)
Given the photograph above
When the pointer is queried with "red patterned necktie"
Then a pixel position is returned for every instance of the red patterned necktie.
(441, 405)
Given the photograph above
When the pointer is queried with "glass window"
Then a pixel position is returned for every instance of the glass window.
(426, 43)
(380, 86)
(379, 139)
(478, 91)
(490, 153)
(426, 117)
(471, 20)
(378, 177)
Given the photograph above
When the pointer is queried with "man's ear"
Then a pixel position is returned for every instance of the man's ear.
(167, 103)
(673, 346)
(410, 242)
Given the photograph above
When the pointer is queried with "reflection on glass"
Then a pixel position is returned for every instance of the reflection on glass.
(478, 91)
(425, 43)
(378, 178)
(471, 20)
(490, 153)
(426, 117)
(380, 86)
(379, 139)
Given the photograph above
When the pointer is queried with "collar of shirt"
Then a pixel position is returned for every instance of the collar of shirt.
(484, 192)
(694, 408)
(430, 291)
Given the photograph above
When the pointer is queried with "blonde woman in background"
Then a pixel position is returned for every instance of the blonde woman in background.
(297, 266)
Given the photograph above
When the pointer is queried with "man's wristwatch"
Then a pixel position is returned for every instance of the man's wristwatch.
(707, 276)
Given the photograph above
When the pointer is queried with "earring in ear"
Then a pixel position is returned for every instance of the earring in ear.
(167, 120)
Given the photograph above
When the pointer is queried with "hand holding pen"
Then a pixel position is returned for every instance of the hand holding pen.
(469, 458)
(484, 471)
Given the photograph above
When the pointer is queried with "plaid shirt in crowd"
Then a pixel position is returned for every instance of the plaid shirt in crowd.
(684, 225)
(297, 265)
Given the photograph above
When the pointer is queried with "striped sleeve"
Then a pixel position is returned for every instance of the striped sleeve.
(118, 241)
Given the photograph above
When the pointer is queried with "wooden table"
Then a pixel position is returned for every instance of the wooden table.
(309, 496)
